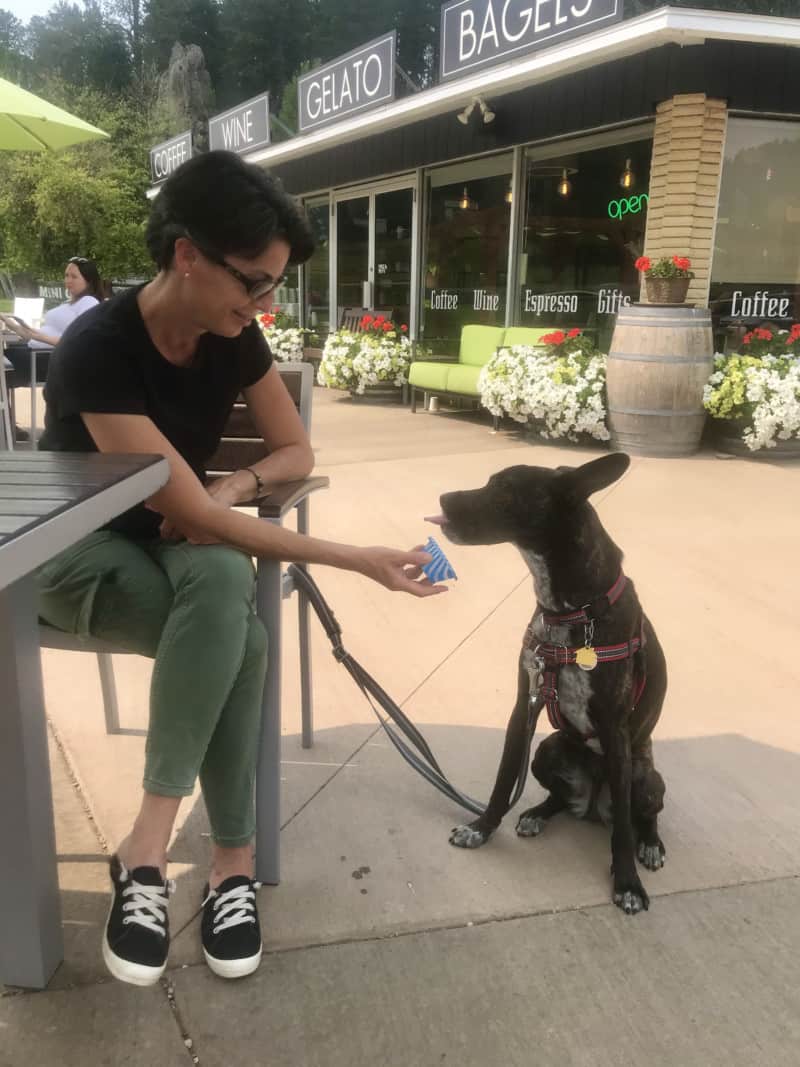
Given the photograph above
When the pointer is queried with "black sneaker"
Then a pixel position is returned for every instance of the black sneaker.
(136, 940)
(230, 928)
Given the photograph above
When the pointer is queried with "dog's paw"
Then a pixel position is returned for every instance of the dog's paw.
(468, 837)
(530, 825)
(631, 897)
(652, 856)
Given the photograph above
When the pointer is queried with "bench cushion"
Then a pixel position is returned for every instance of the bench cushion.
(478, 344)
(463, 380)
(425, 375)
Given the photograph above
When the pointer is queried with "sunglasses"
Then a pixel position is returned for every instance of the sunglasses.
(256, 289)
(77, 259)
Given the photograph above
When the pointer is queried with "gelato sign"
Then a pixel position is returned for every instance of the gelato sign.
(362, 79)
(477, 33)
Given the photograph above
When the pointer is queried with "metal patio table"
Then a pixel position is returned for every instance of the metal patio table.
(48, 501)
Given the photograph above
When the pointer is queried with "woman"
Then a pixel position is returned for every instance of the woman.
(84, 290)
(156, 370)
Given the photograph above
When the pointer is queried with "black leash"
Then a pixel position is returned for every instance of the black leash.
(423, 760)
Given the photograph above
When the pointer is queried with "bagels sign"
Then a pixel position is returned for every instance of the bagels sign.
(362, 79)
(476, 33)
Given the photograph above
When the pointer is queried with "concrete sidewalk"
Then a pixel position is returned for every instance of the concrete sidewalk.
(385, 945)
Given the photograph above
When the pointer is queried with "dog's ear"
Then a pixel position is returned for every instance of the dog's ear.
(596, 475)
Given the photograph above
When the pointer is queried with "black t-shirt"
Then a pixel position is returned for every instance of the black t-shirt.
(106, 363)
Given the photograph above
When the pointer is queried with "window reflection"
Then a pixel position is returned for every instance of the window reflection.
(317, 270)
(755, 275)
(584, 228)
(466, 264)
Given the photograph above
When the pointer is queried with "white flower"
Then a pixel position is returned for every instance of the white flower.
(354, 361)
(566, 394)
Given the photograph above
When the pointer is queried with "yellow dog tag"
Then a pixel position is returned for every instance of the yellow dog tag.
(586, 658)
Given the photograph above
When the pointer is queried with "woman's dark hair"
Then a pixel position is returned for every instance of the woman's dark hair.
(87, 268)
(229, 206)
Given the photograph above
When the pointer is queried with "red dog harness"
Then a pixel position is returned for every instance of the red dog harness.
(586, 656)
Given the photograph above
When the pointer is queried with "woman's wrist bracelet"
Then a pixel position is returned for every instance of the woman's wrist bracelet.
(260, 486)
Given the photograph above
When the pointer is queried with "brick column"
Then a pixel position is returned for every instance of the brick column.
(684, 184)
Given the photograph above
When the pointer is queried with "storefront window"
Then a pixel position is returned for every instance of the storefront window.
(755, 276)
(317, 270)
(584, 222)
(466, 262)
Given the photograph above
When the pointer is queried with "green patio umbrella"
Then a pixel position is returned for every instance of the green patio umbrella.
(28, 123)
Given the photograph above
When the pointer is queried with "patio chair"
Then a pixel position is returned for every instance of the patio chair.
(241, 447)
(6, 422)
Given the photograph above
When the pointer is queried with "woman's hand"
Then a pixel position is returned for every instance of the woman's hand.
(399, 571)
(19, 328)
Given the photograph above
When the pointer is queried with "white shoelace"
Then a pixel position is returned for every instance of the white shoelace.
(233, 908)
(148, 905)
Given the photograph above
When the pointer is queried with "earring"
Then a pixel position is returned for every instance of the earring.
(186, 275)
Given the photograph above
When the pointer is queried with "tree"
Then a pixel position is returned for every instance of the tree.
(264, 45)
(89, 200)
(80, 46)
(170, 22)
(128, 15)
(12, 36)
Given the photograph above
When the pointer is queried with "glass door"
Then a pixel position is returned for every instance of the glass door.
(352, 251)
(374, 253)
(393, 215)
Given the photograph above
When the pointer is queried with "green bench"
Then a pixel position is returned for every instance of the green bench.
(459, 377)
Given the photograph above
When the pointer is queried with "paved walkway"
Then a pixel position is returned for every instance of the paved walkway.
(385, 945)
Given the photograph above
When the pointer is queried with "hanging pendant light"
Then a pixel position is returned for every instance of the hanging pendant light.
(627, 179)
(465, 203)
(509, 198)
(564, 187)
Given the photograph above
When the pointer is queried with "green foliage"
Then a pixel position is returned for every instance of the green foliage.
(89, 200)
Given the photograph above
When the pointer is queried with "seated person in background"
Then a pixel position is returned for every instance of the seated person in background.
(84, 290)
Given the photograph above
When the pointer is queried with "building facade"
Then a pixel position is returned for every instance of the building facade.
(524, 192)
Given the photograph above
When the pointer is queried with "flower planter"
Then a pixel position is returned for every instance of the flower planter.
(383, 392)
(666, 290)
(725, 435)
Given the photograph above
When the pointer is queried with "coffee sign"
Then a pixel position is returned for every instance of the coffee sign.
(243, 128)
(477, 33)
(360, 80)
(168, 156)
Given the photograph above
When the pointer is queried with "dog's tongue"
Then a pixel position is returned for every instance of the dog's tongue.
(437, 520)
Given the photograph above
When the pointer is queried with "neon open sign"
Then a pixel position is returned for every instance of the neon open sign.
(628, 205)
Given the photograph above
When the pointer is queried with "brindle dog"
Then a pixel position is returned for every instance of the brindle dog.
(599, 764)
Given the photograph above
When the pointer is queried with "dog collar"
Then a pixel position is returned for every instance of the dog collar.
(595, 609)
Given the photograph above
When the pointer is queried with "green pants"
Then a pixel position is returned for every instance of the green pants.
(190, 607)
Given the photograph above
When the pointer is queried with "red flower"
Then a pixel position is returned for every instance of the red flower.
(366, 322)
(266, 319)
(681, 262)
(748, 337)
(404, 328)
(555, 338)
(574, 332)
(643, 263)
(387, 327)
(379, 320)
(763, 335)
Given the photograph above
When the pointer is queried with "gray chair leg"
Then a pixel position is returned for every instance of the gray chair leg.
(268, 772)
(306, 706)
(105, 665)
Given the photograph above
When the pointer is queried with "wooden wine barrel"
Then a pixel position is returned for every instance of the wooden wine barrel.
(661, 356)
